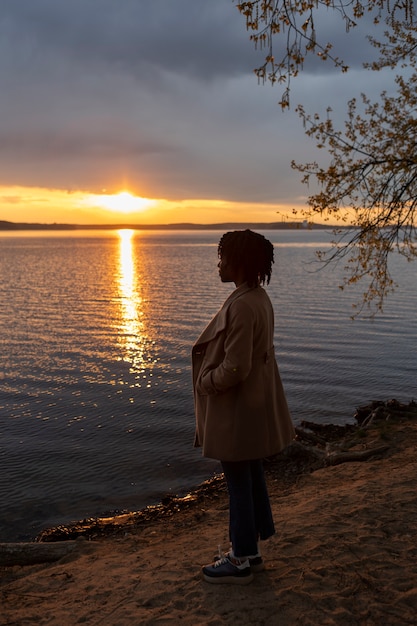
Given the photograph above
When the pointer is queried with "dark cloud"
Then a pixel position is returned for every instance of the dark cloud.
(197, 38)
(159, 93)
(86, 145)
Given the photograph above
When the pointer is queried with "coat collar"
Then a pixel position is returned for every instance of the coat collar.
(219, 321)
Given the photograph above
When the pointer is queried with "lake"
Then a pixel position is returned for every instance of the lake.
(96, 408)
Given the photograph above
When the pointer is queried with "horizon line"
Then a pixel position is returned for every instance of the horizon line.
(7, 225)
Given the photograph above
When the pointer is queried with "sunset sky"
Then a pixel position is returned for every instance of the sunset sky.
(141, 111)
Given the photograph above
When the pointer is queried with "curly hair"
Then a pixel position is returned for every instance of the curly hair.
(249, 251)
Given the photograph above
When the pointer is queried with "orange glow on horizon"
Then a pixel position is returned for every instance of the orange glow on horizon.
(48, 206)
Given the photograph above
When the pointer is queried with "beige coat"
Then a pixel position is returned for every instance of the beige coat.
(240, 405)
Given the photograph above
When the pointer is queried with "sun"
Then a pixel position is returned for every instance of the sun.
(122, 202)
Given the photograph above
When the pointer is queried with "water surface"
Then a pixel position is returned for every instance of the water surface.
(96, 410)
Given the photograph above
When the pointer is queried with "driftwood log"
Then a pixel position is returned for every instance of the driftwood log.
(327, 457)
(33, 552)
(336, 458)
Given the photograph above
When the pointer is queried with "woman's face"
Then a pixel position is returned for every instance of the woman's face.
(226, 271)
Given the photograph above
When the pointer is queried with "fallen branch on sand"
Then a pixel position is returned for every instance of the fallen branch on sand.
(32, 553)
(323, 445)
(316, 439)
(337, 458)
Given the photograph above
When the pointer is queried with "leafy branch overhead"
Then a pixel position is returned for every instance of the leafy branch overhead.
(370, 180)
(373, 173)
(292, 23)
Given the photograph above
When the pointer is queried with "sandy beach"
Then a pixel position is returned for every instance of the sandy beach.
(345, 553)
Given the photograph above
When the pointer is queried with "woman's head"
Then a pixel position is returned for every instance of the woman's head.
(248, 253)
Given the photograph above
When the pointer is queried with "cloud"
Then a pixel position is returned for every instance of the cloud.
(198, 38)
(8, 199)
(158, 95)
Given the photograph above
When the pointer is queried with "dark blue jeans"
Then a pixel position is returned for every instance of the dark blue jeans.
(250, 515)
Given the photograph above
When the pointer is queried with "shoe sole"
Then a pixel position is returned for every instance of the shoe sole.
(231, 580)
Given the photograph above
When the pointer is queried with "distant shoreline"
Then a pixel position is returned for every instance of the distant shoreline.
(13, 226)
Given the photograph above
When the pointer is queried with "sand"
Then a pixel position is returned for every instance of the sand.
(345, 553)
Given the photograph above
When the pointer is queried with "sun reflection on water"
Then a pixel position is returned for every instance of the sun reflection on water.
(133, 335)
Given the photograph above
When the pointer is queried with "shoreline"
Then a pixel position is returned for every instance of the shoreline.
(344, 552)
(285, 468)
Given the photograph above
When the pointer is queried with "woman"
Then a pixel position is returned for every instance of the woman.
(241, 411)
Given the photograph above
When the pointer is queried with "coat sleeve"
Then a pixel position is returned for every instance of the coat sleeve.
(238, 351)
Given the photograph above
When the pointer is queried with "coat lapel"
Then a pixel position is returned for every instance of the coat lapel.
(219, 321)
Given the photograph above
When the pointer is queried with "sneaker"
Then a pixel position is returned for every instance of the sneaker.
(256, 562)
(225, 570)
